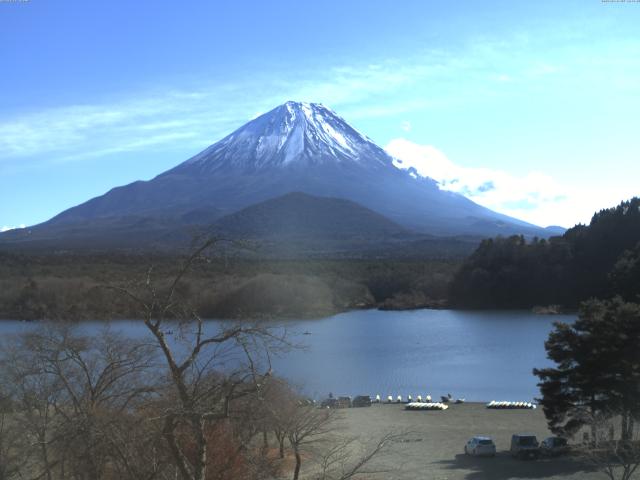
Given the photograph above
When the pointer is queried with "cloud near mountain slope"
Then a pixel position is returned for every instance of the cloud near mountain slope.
(534, 197)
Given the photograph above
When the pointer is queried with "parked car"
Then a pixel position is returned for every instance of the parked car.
(554, 446)
(333, 402)
(361, 401)
(480, 446)
(329, 402)
(524, 446)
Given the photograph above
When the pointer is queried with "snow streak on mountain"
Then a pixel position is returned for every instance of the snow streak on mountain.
(293, 134)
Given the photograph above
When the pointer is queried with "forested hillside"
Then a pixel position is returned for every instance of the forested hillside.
(601, 259)
(77, 286)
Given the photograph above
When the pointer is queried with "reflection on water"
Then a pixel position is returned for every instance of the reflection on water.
(480, 356)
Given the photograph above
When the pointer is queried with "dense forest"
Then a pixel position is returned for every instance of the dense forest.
(78, 286)
(600, 260)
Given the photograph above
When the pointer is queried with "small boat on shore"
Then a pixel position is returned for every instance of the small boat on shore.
(504, 405)
(426, 406)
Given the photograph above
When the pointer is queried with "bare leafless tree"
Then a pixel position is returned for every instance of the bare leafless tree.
(200, 398)
(308, 426)
(614, 451)
(11, 457)
(341, 461)
(278, 402)
(77, 402)
(314, 433)
(33, 395)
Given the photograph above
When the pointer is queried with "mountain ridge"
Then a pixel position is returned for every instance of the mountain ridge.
(295, 147)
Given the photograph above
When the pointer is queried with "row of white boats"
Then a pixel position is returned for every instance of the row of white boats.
(399, 399)
(426, 406)
(425, 403)
(491, 404)
(417, 399)
(511, 405)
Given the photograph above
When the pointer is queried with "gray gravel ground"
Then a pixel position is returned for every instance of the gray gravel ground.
(434, 447)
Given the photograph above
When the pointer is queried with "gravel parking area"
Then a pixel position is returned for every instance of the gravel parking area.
(433, 447)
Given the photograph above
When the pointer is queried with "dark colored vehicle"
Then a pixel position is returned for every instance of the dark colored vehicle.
(332, 402)
(524, 446)
(361, 401)
(554, 446)
(329, 403)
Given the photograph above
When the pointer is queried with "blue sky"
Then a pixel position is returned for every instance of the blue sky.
(528, 107)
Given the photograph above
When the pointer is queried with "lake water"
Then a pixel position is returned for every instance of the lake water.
(480, 356)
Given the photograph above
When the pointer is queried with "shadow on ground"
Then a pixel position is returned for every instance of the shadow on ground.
(503, 466)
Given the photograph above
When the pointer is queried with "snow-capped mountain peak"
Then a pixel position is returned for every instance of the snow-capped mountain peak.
(293, 134)
(296, 147)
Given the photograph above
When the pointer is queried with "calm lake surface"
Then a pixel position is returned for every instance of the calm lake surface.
(480, 356)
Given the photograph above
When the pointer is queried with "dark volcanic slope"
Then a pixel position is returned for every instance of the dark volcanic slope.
(297, 147)
(302, 216)
(298, 224)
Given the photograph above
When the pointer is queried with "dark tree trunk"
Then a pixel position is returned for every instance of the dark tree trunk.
(296, 472)
(626, 430)
(200, 467)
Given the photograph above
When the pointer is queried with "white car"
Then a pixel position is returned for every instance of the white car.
(480, 446)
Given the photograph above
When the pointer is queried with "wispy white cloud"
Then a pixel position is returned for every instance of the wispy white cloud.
(87, 130)
(164, 118)
(6, 228)
(535, 197)
(377, 88)
(543, 69)
(152, 141)
(501, 77)
(170, 116)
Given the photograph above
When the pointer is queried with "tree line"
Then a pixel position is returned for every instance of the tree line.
(599, 260)
(69, 286)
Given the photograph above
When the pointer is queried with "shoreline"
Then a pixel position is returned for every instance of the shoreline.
(443, 305)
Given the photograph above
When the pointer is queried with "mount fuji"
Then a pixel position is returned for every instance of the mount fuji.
(296, 147)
